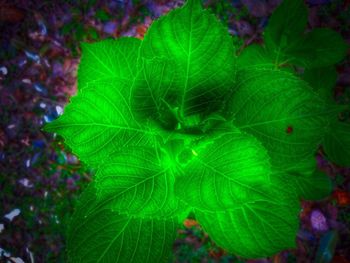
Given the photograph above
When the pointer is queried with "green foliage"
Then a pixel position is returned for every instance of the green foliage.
(337, 143)
(99, 234)
(287, 42)
(322, 80)
(177, 123)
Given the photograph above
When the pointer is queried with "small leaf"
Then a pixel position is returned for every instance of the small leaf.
(286, 24)
(256, 56)
(337, 143)
(106, 236)
(321, 47)
(314, 186)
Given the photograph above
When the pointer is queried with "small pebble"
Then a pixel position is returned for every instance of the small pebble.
(16, 260)
(318, 221)
(59, 110)
(27, 81)
(32, 56)
(40, 88)
(25, 182)
(10, 216)
(3, 70)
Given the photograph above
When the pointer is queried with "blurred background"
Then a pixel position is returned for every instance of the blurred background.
(40, 180)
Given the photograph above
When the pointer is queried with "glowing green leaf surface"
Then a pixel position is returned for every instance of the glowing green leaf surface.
(108, 60)
(106, 236)
(176, 123)
(282, 112)
(202, 53)
(98, 121)
(256, 229)
(99, 118)
(138, 180)
(224, 172)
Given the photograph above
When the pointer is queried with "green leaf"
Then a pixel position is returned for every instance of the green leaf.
(202, 55)
(287, 23)
(321, 47)
(282, 112)
(286, 42)
(322, 80)
(314, 186)
(256, 229)
(148, 99)
(337, 143)
(224, 172)
(107, 236)
(102, 15)
(98, 120)
(108, 60)
(256, 56)
(139, 180)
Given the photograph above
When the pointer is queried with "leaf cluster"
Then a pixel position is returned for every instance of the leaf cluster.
(179, 123)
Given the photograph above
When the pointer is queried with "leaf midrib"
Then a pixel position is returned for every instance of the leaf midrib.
(189, 53)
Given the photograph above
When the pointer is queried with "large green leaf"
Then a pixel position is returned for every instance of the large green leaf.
(337, 143)
(287, 23)
(224, 172)
(256, 229)
(282, 112)
(108, 60)
(202, 59)
(138, 180)
(107, 236)
(98, 120)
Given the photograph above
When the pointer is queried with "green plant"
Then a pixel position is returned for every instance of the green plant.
(178, 122)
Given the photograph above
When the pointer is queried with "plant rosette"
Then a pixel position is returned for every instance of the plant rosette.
(179, 122)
